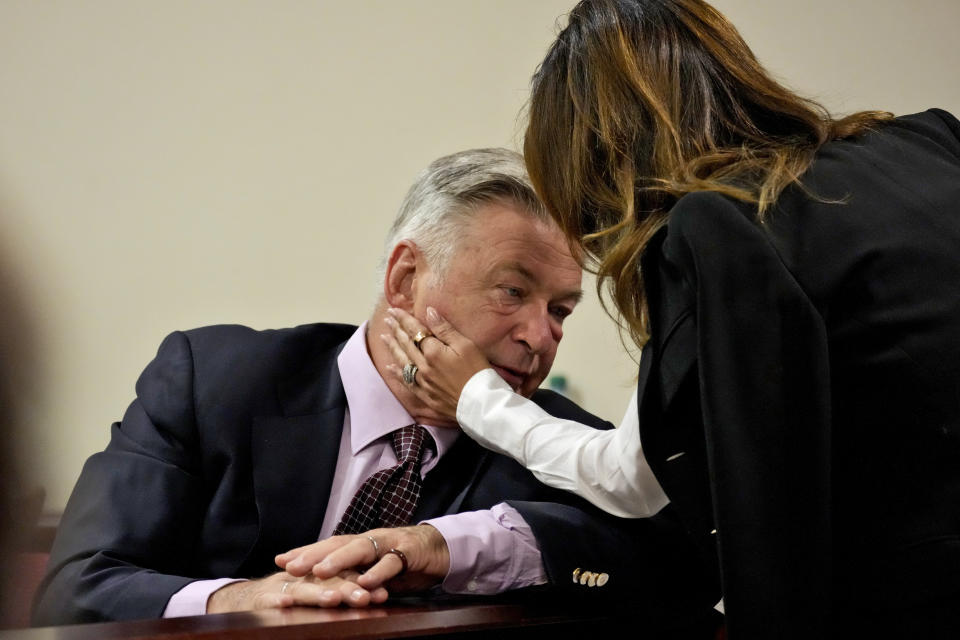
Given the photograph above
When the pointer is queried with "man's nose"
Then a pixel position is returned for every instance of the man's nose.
(538, 330)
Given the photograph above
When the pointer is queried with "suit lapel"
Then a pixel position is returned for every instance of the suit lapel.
(294, 459)
(668, 399)
(448, 485)
(646, 380)
(670, 354)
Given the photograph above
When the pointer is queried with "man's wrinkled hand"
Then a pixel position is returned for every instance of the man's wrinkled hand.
(428, 559)
(285, 590)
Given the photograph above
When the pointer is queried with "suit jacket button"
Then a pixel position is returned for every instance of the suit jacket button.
(576, 575)
(592, 582)
(584, 577)
(602, 579)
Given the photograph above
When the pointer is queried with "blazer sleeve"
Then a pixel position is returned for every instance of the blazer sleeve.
(650, 562)
(128, 532)
(764, 379)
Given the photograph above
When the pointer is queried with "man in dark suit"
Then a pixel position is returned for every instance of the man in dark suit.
(244, 444)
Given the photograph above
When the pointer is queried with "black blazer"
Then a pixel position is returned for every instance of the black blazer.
(227, 456)
(799, 398)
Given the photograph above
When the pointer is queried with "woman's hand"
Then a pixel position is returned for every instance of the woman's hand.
(445, 361)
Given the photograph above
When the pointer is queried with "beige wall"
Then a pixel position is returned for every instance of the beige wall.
(171, 163)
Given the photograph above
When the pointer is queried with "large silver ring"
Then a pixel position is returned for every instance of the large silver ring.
(376, 547)
(420, 337)
(409, 374)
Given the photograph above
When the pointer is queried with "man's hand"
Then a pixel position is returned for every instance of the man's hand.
(285, 590)
(428, 558)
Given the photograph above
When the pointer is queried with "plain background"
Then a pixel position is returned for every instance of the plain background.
(166, 164)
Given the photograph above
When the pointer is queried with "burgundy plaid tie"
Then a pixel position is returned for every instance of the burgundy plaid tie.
(388, 497)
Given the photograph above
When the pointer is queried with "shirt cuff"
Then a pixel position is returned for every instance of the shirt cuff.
(192, 599)
(469, 406)
(491, 551)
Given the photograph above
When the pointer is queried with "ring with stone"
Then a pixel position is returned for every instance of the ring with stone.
(409, 374)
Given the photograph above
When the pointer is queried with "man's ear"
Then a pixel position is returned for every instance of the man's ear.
(403, 267)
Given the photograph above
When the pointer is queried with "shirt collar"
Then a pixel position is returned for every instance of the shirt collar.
(374, 410)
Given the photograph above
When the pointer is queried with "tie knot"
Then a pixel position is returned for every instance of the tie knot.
(408, 443)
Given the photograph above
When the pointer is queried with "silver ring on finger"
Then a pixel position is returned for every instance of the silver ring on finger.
(286, 583)
(376, 547)
(409, 374)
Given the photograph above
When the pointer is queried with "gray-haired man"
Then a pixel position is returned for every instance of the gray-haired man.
(244, 444)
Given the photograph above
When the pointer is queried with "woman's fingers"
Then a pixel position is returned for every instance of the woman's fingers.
(442, 330)
(445, 360)
(410, 326)
(438, 337)
(399, 355)
(406, 351)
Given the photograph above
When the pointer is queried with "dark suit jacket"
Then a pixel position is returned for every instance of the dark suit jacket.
(799, 398)
(227, 456)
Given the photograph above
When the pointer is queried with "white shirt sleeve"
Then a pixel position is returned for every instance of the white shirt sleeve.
(607, 468)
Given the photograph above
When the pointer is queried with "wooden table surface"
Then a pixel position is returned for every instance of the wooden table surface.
(410, 618)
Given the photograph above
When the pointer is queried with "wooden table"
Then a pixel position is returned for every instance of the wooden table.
(406, 618)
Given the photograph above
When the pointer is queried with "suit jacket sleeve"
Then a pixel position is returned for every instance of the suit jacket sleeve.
(127, 535)
(764, 380)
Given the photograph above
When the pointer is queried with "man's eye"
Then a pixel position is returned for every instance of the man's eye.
(512, 292)
(560, 312)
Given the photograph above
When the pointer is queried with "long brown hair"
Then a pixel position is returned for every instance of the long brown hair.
(639, 102)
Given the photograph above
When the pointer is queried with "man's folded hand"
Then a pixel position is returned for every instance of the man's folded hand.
(285, 590)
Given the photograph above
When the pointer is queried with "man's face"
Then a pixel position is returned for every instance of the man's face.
(508, 288)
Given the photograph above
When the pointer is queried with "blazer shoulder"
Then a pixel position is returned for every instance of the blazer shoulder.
(238, 344)
(237, 335)
(233, 365)
(935, 125)
(705, 213)
(705, 223)
(562, 407)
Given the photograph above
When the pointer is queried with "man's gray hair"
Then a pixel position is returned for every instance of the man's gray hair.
(446, 194)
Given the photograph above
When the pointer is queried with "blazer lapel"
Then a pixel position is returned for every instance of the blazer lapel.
(668, 400)
(670, 354)
(294, 459)
(448, 485)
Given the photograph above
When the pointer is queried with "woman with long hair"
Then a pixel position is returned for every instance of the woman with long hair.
(793, 280)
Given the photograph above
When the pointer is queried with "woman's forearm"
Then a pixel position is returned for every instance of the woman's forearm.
(607, 468)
